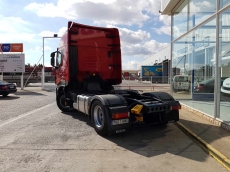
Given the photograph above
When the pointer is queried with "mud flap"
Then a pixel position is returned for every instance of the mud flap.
(114, 104)
(172, 116)
(118, 125)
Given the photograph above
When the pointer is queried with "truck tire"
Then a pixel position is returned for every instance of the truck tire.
(99, 118)
(60, 99)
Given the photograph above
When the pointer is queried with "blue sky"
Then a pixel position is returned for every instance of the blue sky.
(143, 30)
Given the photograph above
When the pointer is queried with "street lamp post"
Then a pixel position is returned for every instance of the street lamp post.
(43, 63)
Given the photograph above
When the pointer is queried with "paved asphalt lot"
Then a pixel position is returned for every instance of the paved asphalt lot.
(37, 136)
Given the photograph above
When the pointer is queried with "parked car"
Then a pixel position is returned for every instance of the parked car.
(181, 83)
(7, 88)
(207, 86)
(225, 89)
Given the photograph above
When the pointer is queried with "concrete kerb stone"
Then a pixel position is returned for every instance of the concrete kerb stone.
(207, 147)
(206, 117)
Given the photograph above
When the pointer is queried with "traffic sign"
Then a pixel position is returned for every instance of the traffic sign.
(8, 47)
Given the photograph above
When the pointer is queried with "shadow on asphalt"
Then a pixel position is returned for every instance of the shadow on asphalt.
(209, 133)
(9, 97)
(154, 140)
(21, 93)
(80, 116)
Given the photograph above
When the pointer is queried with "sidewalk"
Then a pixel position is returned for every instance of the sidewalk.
(213, 138)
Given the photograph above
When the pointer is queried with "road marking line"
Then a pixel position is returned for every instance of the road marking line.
(25, 114)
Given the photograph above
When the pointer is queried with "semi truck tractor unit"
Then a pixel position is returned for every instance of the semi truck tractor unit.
(87, 64)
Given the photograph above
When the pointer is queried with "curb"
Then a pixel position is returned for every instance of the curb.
(207, 117)
(222, 159)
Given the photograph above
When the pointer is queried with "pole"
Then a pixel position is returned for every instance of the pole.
(22, 79)
(43, 72)
(151, 81)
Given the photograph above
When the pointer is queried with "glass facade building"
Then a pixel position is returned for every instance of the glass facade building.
(200, 54)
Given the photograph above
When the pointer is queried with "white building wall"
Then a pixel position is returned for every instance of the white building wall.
(156, 58)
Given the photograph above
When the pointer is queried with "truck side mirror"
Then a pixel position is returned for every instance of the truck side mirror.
(52, 54)
(52, 61)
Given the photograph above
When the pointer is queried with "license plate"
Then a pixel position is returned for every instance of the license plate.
(12, 87)
(120, 121)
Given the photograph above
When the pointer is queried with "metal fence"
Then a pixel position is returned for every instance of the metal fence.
(26, 79)
(153, 79)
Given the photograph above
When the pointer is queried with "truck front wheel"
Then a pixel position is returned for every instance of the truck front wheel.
(99, 118)
(61, 102)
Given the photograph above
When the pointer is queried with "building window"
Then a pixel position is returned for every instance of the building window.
(224, 65)
(224, 3)
(190, 14)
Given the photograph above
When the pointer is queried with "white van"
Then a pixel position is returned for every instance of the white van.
(181, 83)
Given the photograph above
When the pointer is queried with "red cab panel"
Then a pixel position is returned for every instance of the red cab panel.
(90, 51)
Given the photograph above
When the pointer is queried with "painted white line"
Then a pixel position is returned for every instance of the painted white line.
(25, 114)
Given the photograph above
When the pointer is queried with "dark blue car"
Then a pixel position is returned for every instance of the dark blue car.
(207, 86)
(7, 88)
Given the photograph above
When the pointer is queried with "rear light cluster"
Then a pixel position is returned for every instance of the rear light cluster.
(177, 107)
(121, 115)
(4, 87)
(200, 87)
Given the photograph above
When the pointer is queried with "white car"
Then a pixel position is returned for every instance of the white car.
(226, 86)
(181, 83)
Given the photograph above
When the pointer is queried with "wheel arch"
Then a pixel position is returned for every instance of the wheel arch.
(107, 100)
(160, 95)
(61, 89)
(163, 96)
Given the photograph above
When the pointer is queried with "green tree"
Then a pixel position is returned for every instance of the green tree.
(28, 65)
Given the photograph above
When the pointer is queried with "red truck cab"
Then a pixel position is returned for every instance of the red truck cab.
(88, 51)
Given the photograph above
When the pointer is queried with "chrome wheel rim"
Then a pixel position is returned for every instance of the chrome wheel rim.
(98, 117)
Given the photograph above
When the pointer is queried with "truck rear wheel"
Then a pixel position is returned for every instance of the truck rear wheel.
(99, 118)
(61, 102)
